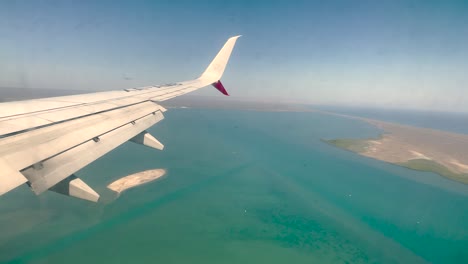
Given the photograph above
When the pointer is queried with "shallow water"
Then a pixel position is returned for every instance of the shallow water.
(244, 187)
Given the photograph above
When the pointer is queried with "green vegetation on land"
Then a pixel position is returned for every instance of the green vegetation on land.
(361, 145)
(432, 166)
(354, 145)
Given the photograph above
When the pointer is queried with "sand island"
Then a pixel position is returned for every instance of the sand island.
(136, 179)
(423, 149)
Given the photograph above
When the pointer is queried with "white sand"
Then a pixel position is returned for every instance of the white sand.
(418, 155)
(463, 167)
(136, 179)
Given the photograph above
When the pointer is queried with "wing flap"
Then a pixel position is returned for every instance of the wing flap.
(61, 166)
(9, 178)
(31, 147)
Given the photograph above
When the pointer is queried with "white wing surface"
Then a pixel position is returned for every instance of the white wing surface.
(44, 142)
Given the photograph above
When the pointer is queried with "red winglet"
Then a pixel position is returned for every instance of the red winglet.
(218, 85)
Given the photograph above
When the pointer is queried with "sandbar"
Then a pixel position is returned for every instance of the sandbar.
(136, 179)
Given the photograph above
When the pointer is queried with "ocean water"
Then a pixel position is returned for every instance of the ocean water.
(453, 122)
(244, 187)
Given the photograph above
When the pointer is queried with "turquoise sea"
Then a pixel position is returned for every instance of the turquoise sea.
(244, 187)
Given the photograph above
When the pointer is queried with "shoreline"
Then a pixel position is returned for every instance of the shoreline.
(422, 149)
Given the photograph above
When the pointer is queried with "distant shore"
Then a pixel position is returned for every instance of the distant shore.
(136, 179)
(416, 148)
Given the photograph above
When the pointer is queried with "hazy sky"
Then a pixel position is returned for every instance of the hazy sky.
(387, 53)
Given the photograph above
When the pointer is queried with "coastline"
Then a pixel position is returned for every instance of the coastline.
(422, 149)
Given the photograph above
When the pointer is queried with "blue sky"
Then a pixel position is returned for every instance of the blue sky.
(411, 54)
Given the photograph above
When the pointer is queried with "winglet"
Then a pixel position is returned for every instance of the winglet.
(215, 70)
(218, 85)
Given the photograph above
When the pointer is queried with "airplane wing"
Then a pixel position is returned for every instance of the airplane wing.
(44, 142)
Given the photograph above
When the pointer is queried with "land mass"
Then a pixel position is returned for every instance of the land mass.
(423, 149)
(136, 179)
(235, 103)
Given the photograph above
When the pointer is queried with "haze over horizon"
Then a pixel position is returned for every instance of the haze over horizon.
(408, 54)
